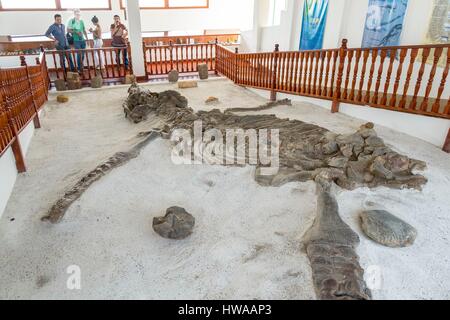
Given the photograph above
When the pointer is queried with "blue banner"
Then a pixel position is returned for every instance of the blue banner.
(384, 23)
(313, 25)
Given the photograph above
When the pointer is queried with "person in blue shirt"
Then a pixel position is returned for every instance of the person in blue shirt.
(57, 32)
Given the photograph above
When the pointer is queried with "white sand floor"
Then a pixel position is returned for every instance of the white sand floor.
(247, 239)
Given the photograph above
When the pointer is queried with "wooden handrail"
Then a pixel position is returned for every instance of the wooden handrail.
(185, 58)
(111, 63)
(23, 92)
(410, 79)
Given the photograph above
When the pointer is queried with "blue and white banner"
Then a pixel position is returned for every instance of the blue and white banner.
(384, 23)
(313, 25)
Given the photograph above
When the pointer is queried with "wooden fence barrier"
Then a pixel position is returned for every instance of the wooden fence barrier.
(405, 78)
(408, 79)
(107, 62)
(185, 58)
(23, 92)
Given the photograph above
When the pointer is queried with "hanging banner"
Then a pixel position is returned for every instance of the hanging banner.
(438, 30)
(384, 23)
(313, 25)
(439, 25)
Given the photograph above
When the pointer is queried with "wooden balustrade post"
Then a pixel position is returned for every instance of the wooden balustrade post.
(15, 146)
(446, 147)
(36, 121)
(236, 69)
(273, 92)
(337, 92)
(144, 49)
(171, 54)
(130, 60)
(216, 45)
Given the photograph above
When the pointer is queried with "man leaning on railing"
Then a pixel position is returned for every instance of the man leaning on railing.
(57, 32)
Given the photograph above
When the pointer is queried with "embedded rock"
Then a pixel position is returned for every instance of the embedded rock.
(203, 73)
(211, 100)
(130, 79)
(374, 141)
(73, 76)
(97, 82)
(174, 76)
(386, 229)
(74, 84)
(60, 85)
(187, 84)
(338, 162)
(177, 224)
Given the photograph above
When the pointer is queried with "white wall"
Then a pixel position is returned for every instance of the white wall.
(8, 169)
(345, 19)
(14, 61)
(8, 174)
(222, 14)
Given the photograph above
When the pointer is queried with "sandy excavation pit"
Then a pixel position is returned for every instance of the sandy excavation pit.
(248, 241)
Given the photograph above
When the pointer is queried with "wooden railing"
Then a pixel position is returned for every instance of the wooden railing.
(399, 78)
(409, 79)
(23, 92)
(185, 58)
(107, 62)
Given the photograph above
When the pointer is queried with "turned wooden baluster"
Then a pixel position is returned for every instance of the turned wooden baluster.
(355, 74)
(283, 71)
(393, 54)
(437, 102)
(269, 70)
(425, 54)
(292, 71)
(327, 73)
(347, 76)
(301, 75)
(273, 93)
(310, 72)
(322, 62)
(333, 74)
(437, 56)
(295, 75)
(304, 75)
(393, 100)
(316, 70)
(372, 70)
(383, 55)
(366, 54)
(413, 57)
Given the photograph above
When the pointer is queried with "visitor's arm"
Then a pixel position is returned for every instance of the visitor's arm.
(49, 34)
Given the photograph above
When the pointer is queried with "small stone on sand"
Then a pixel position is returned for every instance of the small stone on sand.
(62, 98)
(212, 100)
(177, 224)
(187, 84)
(386, 229)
